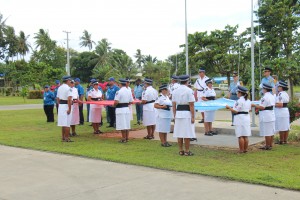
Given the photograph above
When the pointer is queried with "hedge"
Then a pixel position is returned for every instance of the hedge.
(35, 94)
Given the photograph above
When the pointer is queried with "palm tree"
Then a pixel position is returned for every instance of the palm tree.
(11, 40)
(86, 40)
(149, 59)
(103, 50)
(43, 40)
(2, 40)
(139, 58)
(23, 45)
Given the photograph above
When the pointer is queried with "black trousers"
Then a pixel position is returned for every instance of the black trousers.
(112, 115)
(48, 109)
(81, 120)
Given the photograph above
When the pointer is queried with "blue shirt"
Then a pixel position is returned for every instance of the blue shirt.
(111, 92)
(55, 91)
(80, 90)
(49, 98)
(138, 91)
(233, 87)
(269, 80)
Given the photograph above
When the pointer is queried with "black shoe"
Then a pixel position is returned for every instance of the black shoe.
(214, 133)
(193, 139)
(232, 125)
(201, 121)
(109, 126)
(208, 134)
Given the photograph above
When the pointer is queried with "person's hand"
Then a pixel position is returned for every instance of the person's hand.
(193, 120)
(253, 105)
(68, 112)
(164, 106)
(227, 107)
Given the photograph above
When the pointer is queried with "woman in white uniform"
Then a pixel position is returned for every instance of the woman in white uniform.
(209, 116)
(149, 115)
(95, 110)
(241, 116)
(75, 108)
(282, 114)
(123, 98)
(164, 115)
(184, 111)
(267, 116)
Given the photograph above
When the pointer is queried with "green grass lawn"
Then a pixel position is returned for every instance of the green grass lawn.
(296, 88)
(18, 101)
(279, 167)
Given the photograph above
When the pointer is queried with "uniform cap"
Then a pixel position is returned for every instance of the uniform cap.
(64, 78)
(282, 84)
(267, 86)
(95, 82)
(201, 69)
(242, 89)
(173, 77)
(268, 69)
(57, 82)
(235, 73)
(184, 78)
(148, 80)
(92, 80)
(163, 86)
(46, 86)
(77, 79)
(72, 81)
(111, 79)
(123, 80)
(208, 81)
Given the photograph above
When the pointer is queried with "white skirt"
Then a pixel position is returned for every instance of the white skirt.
(63, 119)
(95, 115)
(75, 114)
(123, 121)
(163, 125)
(242, 130)
(267, 128)
(183, 128)
(282, 124)
(131, 113)
(149, 117)
(209, 116)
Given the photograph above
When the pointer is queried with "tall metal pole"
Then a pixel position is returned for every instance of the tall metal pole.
(252, 65)
(186, 45)
(239, 56)
(176, 65)
(68, 54)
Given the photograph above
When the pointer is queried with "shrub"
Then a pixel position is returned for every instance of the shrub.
(294, 109)
(35, 94)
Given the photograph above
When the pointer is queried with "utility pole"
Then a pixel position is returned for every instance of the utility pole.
(252, 65)
(186, 45)
(68, 54)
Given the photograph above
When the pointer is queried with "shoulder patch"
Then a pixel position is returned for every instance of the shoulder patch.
(160, 95)
(70, 89)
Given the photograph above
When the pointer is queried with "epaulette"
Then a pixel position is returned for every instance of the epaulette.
(160, 95)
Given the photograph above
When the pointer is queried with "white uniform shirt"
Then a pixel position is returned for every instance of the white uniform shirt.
(183, 95)
(200, 85)
(164, 100)
(242, 105)
(173, 87)
(149, 94)
(267, 115)
(209, 92)
(95, 94)
(124, 95)
(282, 97)
(74, 93)
(63, 92)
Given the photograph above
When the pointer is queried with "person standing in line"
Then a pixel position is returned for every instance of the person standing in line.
(200, 86)
(233, 90)
(57, 84)
(129, 89)
(88, 89)
(75, 118)
(184, 112)
(149, 116)
(267, 116)
(209, 116)
(282, 114)
(174, 85)
(122, 99)
(164, 115)
(242, 118)
(268, 79)
(138, 91)
(95, 94)
(81, 95)
(49, 104)
(64, 99)
(110, 95)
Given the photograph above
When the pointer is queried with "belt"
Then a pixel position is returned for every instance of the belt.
(268, 108)
(285, 105)
(150, 101)
(96, 99)
(200, 90)
(183, 108)
(167, 108)
(122, 105)
(210, 98)
(233, 93)
(63, 101)
(239, 113)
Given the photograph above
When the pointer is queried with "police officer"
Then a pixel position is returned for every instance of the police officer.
(184, 112)
(200, 86)
(267, 116)
(57, 84)
(138, 91)
(75, 118)
(148, 98)
(209, 116)
(110, 95)
(282, 115)
(268, 79)
(164, 115)
(122, 99)
(95, 94)
(130, 90)
(174, 85)
(64, 99)
(81, 95)
(49, 100)
(233, 90)
(88, 89)
(242, 118)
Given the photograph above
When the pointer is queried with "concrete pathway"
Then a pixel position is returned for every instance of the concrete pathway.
(22, 107)
(35, 175)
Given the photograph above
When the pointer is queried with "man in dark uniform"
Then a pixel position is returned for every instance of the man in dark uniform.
(81, 94)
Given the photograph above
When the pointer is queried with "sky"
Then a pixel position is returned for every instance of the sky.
(157, 27)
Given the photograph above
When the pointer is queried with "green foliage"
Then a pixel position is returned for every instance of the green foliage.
(35, 94)
(294, 110)
(24, 92)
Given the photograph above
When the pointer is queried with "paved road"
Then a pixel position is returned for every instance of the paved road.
(35, 175)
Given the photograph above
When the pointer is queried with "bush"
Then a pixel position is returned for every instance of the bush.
(294, 110)
(35, 94)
